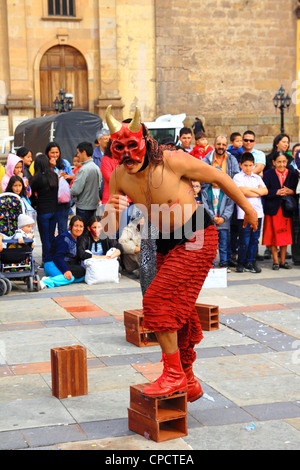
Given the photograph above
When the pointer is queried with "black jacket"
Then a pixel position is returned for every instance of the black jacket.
(85, 243)
(271, 201)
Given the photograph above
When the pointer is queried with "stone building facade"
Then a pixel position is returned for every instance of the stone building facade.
(220, 59)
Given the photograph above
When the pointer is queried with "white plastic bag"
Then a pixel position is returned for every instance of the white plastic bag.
(103, 270)
(64, 192)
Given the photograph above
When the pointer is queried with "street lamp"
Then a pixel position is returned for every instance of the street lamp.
(64, 103)
(282, 101)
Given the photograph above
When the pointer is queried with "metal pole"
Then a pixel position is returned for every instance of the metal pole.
(282, 118)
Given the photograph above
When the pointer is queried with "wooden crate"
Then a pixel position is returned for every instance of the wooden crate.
(208, 316)
(135, 333)
(158, 419)
(69, 371)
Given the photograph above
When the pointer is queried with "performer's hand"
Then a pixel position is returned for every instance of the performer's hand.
(118, 202)
(251, 218)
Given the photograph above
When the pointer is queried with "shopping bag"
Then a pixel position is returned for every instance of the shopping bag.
(64, 193)
(103, 270)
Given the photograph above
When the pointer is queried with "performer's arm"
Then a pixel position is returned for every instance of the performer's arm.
(190, 167)
(114, 207)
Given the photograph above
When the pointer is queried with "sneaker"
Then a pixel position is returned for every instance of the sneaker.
(252, 268)
(225, 265)
(43, 285)
(267, 254)
(240, 268)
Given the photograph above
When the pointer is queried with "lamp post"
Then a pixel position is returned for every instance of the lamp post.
(64, 103)
(282, 102)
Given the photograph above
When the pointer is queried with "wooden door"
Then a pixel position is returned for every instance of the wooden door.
(63, 67)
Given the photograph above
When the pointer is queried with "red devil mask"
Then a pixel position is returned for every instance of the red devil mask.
(128, 142)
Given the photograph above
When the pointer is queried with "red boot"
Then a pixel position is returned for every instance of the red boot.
(173, 379)
(194, 388)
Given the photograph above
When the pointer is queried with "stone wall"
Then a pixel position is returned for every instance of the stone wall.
(225, 60)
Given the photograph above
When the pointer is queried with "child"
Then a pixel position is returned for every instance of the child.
(236, 145)
(197, 191)
(253, 187)
(26, 156)
(14, 166)
(25, 229)
(16, 185)
(202, 146)
(77, 166)
(220, 207)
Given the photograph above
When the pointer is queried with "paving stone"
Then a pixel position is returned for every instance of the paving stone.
(269, 435)
(99, 406)
(12, 440)
(35, 412)
(269, 411)
(49, 435)
(102, 429)
(124, 359)
(242, 349)
(221, 416)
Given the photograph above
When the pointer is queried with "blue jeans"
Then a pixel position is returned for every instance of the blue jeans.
(86, 215)
(224, 240)
(248, 243)
(46, 225)
(62, 216)
(56, 278)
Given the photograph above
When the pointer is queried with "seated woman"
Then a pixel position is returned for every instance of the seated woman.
(61, 264)
(95, 244)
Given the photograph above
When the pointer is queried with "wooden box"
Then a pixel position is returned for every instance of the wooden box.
(135, 333)
(158, 419)
(69, 371)
(208, 316)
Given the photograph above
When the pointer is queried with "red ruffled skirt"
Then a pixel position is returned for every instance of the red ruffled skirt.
(277, 230)
(169, 302)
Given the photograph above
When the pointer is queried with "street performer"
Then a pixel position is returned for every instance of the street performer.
(157, 180)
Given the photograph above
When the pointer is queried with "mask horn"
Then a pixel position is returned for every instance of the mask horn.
(113, 125)
(135, 124)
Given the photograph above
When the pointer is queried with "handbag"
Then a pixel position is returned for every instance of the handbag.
(103, 270)
(64, 192)
(289, 203)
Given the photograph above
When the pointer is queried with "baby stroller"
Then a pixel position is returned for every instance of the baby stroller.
(16, 260)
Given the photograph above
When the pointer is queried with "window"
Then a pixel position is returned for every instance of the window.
(61, 8)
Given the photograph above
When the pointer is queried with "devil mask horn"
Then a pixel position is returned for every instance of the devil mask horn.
(135, 124)
(113, 125)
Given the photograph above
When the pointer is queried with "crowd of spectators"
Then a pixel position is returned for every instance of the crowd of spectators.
(67, 202)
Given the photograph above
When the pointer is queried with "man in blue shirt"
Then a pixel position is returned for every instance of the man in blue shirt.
(103, 137)
(259, 157)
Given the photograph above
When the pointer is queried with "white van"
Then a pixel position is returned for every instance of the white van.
(166, 126)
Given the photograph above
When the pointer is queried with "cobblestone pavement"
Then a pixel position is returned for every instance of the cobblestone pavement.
(249, 368)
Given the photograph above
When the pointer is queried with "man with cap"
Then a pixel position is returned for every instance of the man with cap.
(157, 180)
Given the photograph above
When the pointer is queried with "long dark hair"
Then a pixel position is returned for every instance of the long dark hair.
(276, 141)
(42, 168)
(59, 162)
(12, 181)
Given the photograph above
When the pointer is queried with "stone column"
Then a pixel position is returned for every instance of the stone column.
(109, 91)
(19, 99)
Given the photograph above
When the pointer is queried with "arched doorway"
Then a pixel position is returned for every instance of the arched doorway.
(63, 67)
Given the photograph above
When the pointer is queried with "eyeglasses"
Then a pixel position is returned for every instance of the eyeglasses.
(248, 140)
